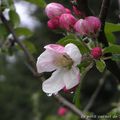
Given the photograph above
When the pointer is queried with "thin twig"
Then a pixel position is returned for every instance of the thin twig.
(93, 97)
(71, 106)
(104, 12)
(11, 30)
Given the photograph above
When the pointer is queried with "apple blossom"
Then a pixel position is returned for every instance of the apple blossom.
(67, 21)
(96, 52)
(63, 61)
(53, 23)
(54, 9)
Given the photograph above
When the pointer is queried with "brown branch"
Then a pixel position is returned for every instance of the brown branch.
(71, 107)
(93, 97)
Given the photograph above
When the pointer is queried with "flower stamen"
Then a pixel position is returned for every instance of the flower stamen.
(64, 61)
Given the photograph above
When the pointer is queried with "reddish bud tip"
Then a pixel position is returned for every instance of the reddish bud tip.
(76, 11)
(96, 52)
(53, 23)
(68, 10)
(62, 111)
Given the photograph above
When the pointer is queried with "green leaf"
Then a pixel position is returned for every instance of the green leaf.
(112, 49)
(7, 4)
(110, 37)
(115, 113)
(23, 31)
(3, 31)
(76, 98)
(30, 46)
(110, 27)
(40, 3)
(116, 57)
(71, 39)
(100, 65)
(14, 18)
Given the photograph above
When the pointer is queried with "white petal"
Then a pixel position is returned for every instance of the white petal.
(71, 78)
(45, 62)
(73, 51)
(54, 84)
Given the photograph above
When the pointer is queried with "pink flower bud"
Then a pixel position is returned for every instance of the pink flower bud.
(54, 9)
(53, 23)
(96, 52)
(67, 21)
(82, 27)
(94, 23)
(62, 111)
(89, 26)
(68, 10)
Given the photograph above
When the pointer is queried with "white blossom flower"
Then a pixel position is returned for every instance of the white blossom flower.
(63, 61)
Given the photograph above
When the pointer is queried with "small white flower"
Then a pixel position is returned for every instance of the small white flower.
(63, 61)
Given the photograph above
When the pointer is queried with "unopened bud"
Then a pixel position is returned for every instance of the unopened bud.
(62, 111)
(67, 21)
(53, 23)
(94, 23)
(89, 26)
(54, 9)
(96, 52)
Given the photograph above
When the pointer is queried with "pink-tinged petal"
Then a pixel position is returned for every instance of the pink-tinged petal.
(73, 51)
(54, 84)
(55, 48)
(71, 77)
(45, 62)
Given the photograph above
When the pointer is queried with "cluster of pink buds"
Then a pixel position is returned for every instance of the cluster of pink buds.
(60, 17)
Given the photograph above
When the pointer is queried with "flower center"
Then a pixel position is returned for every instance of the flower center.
(64, 61)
